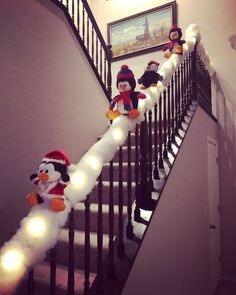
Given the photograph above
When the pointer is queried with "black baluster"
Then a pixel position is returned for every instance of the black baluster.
(67, 4)
(182, 93)
(173, 110)
(176, 102)
(189, 80)
(97, 52)
(30, 283)
(87, 246)
(165, 154)
(78, 16)
(179, 99)
(156, 171)
(83, 24)
(100, 289)
(194, 75)
(161, 163)
(150, 149)
(121, 246)
(129, 228)
(144, 194)
(111, 265)
(105, 71)
(92, 44)
(73, 11)
(109, 76)
(87, 33)
(101, 60)
(53, 265)
(185, 89)
(169, 121)
(137, 215)
(71, 267)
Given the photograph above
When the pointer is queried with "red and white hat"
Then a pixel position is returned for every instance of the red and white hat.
(57, 157)
(153, 62)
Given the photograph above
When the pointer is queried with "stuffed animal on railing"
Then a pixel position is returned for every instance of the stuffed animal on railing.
(126, 85)
(150, 76)
(52, 178)
(176, 44)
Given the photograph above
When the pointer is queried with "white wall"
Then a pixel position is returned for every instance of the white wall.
(50, 99)
(174, 255)
(217, 21)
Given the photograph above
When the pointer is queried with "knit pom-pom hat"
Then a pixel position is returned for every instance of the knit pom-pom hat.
(125, 73)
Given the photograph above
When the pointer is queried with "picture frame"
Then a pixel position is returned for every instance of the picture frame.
(143, 32)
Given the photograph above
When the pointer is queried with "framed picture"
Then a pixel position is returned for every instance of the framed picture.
(143, 32)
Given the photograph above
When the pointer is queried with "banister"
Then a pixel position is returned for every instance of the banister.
(95, 25)
(74, 24)
(103, 151)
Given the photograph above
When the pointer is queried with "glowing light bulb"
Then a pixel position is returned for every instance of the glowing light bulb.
(94, 163)
(78, 178)
(117, 134)
(36, 227)
(12, 260)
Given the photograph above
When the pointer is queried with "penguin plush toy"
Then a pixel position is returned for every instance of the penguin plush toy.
(150, 76)
(176, 44)
(51, 178)
(125, 84)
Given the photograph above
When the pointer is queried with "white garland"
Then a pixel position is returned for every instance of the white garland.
(28, 247)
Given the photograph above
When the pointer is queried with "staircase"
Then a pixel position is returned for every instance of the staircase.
(97, 246)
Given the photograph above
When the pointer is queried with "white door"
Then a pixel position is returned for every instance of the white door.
(214, 216)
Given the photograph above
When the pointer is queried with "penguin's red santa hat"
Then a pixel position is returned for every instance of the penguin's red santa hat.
(57, 156)
(153, 62)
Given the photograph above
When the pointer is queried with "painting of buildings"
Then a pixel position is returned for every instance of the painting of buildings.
(148, 31)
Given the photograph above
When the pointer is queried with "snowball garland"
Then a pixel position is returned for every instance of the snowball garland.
(27, 248)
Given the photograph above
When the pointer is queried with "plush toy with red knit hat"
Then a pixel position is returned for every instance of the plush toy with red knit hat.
(51, 178)
(150, 76)
(176, 44)
(125, 84)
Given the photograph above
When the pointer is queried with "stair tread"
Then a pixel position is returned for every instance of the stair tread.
(116, 164)
(105, 208)
(79, 237)
(116, 183)
(42, 275)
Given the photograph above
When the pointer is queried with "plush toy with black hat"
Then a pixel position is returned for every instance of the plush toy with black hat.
(125, 84)
(51, 178)
(150, 76)
(176, 44)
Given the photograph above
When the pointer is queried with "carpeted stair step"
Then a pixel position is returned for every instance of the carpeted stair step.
(106, 171)
(125, 154)
(79, 216)
(79, 249)
(106, 193)
(42, 279)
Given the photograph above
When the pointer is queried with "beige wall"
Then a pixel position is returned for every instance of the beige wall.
(217, 21)
(174, 255)
(50, 99)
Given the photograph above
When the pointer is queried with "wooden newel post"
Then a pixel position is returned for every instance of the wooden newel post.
(144, 188)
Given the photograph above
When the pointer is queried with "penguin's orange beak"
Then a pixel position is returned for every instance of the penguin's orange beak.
(43, 177)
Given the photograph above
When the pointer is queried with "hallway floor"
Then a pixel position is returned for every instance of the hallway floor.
(226, 288)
